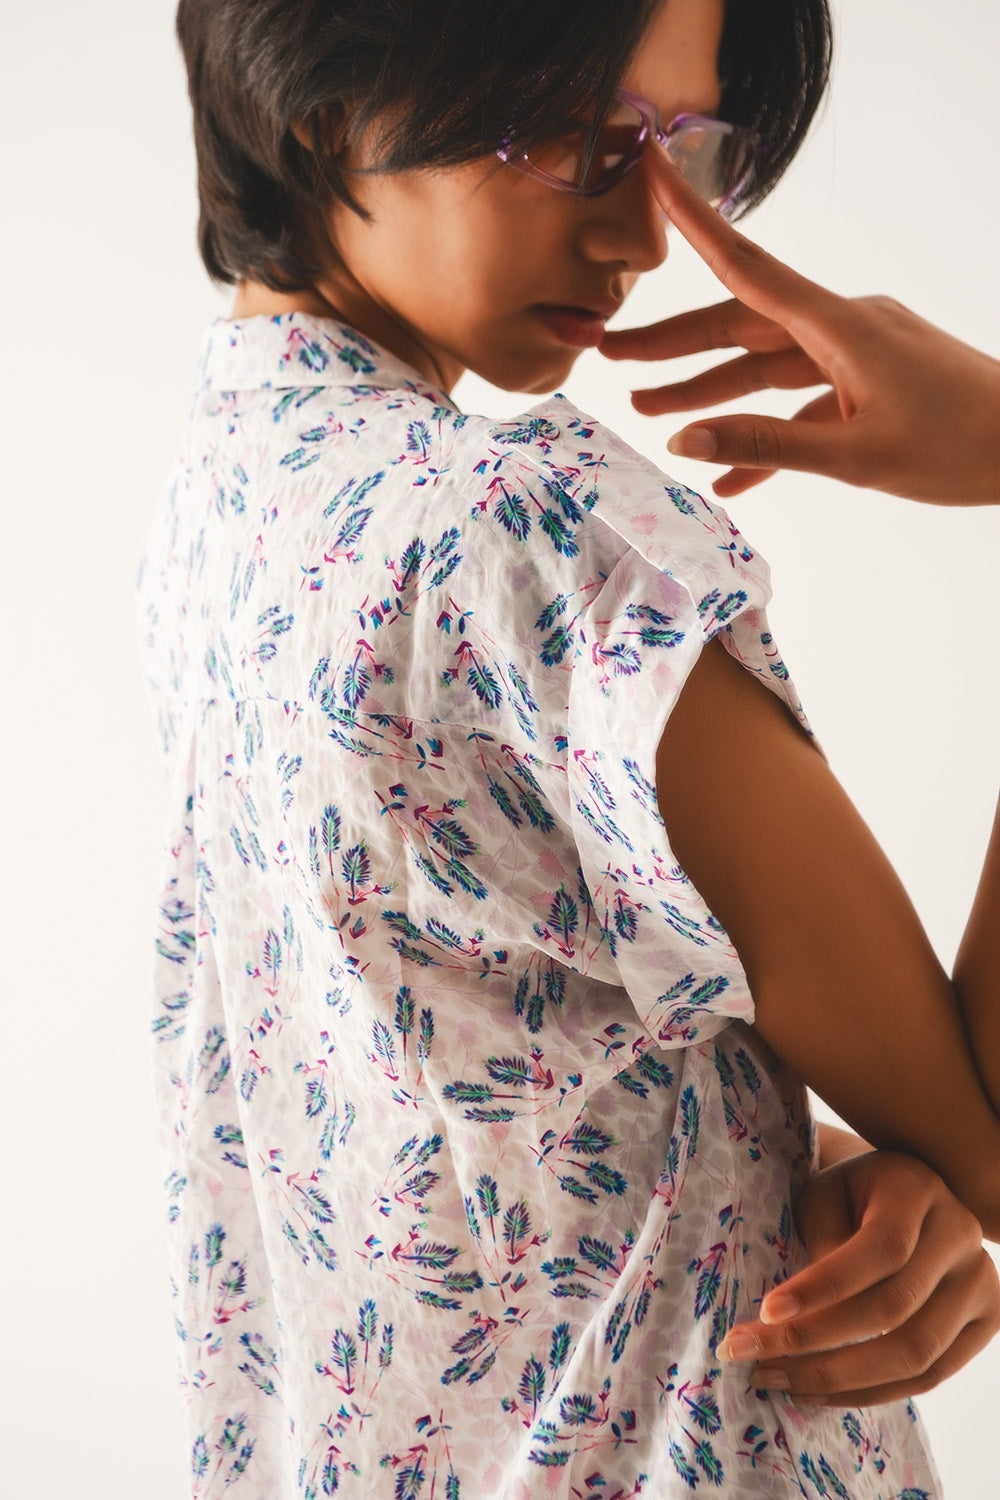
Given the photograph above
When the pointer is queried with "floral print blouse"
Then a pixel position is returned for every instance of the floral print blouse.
(472, 1153)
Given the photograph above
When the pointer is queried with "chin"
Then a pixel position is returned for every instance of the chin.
(534, 374)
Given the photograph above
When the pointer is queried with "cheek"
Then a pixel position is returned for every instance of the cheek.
(479, 241)
(510, 249)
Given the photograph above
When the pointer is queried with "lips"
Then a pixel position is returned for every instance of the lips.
(601, 307)
(581, 325)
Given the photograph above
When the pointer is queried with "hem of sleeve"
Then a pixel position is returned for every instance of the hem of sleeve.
(674, 958)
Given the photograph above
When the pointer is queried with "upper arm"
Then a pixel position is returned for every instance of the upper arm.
(846, 985)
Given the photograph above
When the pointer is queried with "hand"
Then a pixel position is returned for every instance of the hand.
(900, 1292)
(910, 410)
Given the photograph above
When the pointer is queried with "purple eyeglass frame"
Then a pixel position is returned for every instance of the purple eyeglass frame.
(651, 128)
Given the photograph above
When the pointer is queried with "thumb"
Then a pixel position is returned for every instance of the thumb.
(748, 442)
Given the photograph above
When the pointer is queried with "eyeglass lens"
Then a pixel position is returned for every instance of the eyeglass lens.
(713, 161)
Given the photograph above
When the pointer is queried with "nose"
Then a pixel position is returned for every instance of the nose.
(626, 225)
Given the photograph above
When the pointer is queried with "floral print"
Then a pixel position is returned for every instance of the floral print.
(473, 1155)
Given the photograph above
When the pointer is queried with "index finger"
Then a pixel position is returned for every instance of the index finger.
(869, 1257)
(757, 279)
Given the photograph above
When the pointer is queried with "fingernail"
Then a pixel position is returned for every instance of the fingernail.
(779, 1307)
(739, 1349)
(771, 1380)
(694, 442)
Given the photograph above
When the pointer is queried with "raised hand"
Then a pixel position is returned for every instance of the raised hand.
(908, 409)
(900, 1292)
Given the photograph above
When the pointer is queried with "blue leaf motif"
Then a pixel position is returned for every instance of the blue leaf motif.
(330, 830)
(442, 574)
(607, 1178)
(357, 681)
(551, 613)
(567, 504)
(367, 1321)
(658, 635)
(483, 683)
(452, 837)
(531, 1386)
(467, 1093)
(559, 1346)
(431, 1254)
(385, 1347)
(577, 1189)
(705, 1411)
(344, 1352)
(521, 686)
(751, 1077)
(463, 876)
(318, 1205)
(626, 922)
(199, 1457)
(322, 1251)
(598, 1253)
(418, 438)
(625, 660)
(687, 1471)
(654, 1070)
(410, 1481)
(708, 1462)
(575, 1410)
(532, 803)
(315, 1097)
(588, 1140)
(425, 1039)
(310, 352)
(331, 1474)
(489, 1197)
(352, 529)
(516, 1223)
(558, 533)
(413, 555)
(707, 1289)
(511, 512)
(836, 1484)
(213, 1244)
(356, 361)
(690, 1118)
(514, 1071)
(404, 1010)
(682, 498)
(356, 866)
(554, 649)
(504, 801)
(384, 1044)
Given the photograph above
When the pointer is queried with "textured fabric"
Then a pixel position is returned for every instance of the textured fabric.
(474, 1155)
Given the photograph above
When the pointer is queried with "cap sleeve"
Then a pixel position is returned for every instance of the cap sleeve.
(685, 575)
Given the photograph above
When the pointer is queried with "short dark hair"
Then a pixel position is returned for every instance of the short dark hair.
(454, 75)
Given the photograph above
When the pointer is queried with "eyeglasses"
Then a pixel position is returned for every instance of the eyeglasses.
(717, 158)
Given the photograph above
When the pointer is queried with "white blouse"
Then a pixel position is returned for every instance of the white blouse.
(473, 1153)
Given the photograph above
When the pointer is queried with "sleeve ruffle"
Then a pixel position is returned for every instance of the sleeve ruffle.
(686, 575)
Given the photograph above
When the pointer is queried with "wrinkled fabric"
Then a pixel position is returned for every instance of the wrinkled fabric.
(473, 1154)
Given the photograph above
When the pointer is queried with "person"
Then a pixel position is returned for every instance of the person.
(491, 1169)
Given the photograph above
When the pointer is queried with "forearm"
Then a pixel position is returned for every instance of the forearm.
(977, 971)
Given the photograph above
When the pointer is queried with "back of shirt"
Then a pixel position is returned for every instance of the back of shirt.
(458, 1121)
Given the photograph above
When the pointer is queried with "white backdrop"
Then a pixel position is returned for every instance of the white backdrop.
(885, 612)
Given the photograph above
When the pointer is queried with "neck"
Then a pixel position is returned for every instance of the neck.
(253, 299)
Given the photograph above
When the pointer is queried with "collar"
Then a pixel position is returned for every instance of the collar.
(294, 350)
